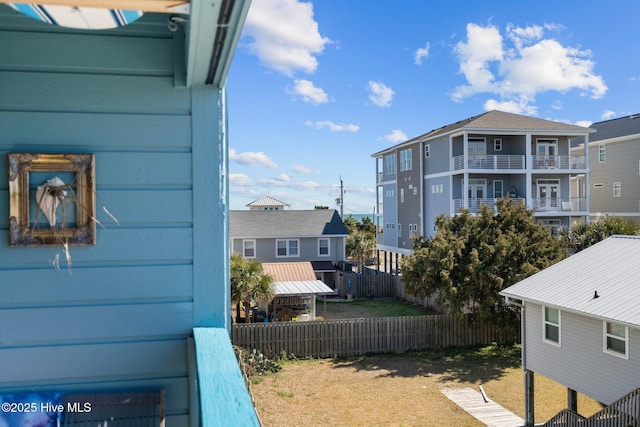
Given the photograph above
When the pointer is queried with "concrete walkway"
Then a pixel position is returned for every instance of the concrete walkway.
(490, 413)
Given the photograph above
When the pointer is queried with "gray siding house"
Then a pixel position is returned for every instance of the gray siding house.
(614, 168)
(318, 236)
(581, 322)
(472, 163)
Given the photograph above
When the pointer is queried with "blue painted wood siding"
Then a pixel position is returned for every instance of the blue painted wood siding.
(121, 316)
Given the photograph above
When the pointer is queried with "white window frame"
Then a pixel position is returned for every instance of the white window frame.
(497, 144)
(244, 248)
(406, 159)
(617, 189)
(288, 251)
(321, 239)
(402, 195)
(546, 322)
(602, 153)
(606, 335)
(427, 151)
(501, 188)
(390, 164)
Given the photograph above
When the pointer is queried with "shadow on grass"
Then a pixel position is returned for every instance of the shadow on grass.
(473, 365)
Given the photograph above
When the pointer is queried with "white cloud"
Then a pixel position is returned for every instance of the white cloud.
(239, 179)
(309, 92)
(607, 115)
(285, 35)
(302, 170)
(584, 123)
(517, 73)
(520, 106)
(252, 159)
(283, 177)
(333, 127)
(484, 44)
(421, 53)
(381, 94)
(396, 135)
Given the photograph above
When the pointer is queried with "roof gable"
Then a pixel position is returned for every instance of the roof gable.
(611, 268)
(286, 223)
(622, 126)
(498, 121)
(267, 201)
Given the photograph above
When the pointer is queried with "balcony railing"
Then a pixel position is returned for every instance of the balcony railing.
(489, 162)
(380, 177)
(558, 162)
(560, 204)
(474, 204)
(517, 162)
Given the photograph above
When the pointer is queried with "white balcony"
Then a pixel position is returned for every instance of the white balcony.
(489, 162)
(558, 162)
(560, 204)
(474, 204)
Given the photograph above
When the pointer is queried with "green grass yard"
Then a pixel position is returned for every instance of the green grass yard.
(369, 308)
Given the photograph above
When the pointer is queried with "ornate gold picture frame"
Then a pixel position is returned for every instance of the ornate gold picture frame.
(50, 211)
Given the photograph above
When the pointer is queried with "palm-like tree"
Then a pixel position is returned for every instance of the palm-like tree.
(248, 283)
(360, 246)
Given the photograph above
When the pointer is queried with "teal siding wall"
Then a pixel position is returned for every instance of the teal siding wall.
(120, 317)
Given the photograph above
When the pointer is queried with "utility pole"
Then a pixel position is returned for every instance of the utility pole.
(340, 200)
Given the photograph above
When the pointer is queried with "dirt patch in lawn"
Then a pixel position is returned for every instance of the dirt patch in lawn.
(400, 390)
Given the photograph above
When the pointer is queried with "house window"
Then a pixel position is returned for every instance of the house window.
(323, 247)
(617, 189)
(390, 164)
(497, 144)
(602, 153)
(616, 339)
(249, 248)
(406, 160)
(551, 325)
(399, 229)
(402, 195)
(287, 248)
(598, 185)
(427, 151)
(497, 189)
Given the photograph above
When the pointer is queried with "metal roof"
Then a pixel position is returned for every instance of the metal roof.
(286, 223)
(295, 278)
(496, 122)
(267, 201)
(288, 271)
(302, 287)
(611, 268)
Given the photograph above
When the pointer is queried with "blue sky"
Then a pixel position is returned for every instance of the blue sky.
(316, 87)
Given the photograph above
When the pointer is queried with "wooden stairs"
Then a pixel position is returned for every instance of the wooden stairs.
(624, 412)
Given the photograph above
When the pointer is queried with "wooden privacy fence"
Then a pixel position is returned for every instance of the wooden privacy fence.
(370, 285)
(349, 337)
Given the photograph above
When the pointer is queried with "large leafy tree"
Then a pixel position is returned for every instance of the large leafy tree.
(473, 257)
(360, 246)
(584, 235)
(248, 283)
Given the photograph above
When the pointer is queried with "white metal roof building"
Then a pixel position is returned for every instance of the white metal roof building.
(610, 268)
